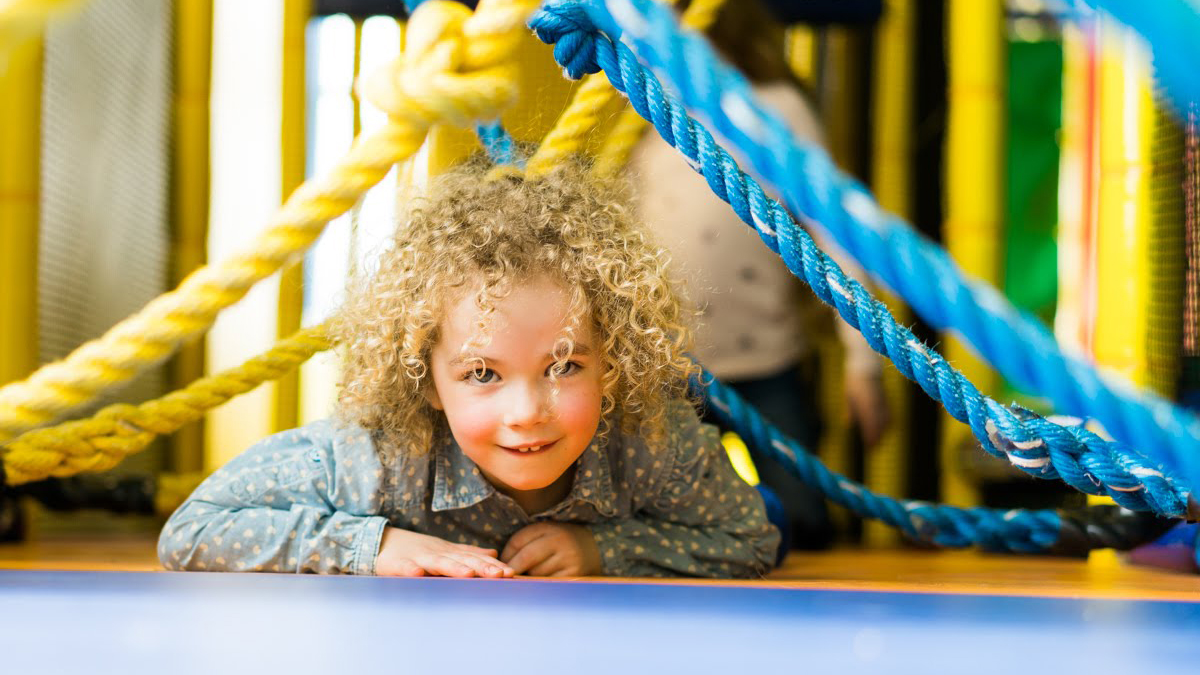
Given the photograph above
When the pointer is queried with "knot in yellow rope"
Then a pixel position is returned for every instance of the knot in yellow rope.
(455, 66)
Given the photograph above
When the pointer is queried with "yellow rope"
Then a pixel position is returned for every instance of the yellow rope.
(618, 145)
(627, 132)
(571, 130)
(104, 439)
(583, 114)
(456, 67)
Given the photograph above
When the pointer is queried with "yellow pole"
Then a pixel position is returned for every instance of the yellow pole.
(840, 96)
(193, 68)
(974, 192)
(20, 125)
(293, 140)
(355, 101)
(23, 20)
(892, 184)
(802, 54)
(1123, 217)
(1125, 283)
(356, 124)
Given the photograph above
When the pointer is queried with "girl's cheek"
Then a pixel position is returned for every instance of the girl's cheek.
(581, 407)
(470, 420)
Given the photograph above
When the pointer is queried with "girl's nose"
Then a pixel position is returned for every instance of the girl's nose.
(526, 406)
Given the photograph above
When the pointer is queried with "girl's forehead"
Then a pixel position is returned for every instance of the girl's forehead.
(539, 305)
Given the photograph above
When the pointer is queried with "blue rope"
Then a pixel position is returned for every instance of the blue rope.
(920, 271)
(1037, 446)
(498, 144)
(1018, 530)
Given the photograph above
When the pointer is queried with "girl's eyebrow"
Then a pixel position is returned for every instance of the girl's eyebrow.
(579, 349)
(470, 359)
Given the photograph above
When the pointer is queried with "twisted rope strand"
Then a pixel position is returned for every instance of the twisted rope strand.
(1033, 444)
(1016, 343)
(618, 145)
(1019, 530)
(456, 67)
(101, 441)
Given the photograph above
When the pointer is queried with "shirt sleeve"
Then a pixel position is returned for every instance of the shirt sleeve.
(301, 501)
(700, 518)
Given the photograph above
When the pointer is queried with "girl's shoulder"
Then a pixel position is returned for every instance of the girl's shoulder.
(643, 467)
(323, 442)
(344, 458)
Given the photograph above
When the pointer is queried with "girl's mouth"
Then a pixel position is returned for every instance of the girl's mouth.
(530, 449)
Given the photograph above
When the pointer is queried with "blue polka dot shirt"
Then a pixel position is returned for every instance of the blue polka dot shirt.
(317, 499)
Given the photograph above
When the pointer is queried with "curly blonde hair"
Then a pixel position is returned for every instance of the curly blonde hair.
(467, 230)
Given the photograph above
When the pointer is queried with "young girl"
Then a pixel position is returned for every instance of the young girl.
(513, 401)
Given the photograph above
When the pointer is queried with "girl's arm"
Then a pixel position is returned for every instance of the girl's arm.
(300, 501)
(701, 518)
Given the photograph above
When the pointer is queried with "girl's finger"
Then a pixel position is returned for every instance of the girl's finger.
(483, 566)
(548, 567)
(502, 570)
(408, 568)
(479, 550)
(523, 538)
(448, 566)
(530, 556)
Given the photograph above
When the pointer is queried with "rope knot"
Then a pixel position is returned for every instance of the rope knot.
(443, 74)
(571, 31)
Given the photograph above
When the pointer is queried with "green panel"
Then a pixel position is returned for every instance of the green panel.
(1031, 216)
(1034, 119)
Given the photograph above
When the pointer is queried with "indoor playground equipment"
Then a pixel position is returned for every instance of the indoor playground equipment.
(457, 68)
(1107, 437)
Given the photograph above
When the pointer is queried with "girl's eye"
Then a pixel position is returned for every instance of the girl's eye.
(562, 369)
(480, 375)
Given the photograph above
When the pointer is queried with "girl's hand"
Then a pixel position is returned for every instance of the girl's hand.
(410, 554)
(553, 550)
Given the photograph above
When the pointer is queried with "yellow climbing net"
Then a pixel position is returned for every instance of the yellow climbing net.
(457, 67)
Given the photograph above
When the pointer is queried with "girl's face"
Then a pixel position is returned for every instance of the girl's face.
(498, 398)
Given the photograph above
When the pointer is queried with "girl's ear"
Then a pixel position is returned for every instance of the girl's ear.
(431, 395)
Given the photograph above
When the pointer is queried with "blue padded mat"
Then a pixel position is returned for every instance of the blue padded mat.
(128, 623)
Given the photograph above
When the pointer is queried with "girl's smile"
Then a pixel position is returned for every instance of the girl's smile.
(529, 449)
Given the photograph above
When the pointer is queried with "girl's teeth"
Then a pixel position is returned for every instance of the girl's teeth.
(533, 449)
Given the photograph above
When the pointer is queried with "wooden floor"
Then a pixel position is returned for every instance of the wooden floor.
(868, 570)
